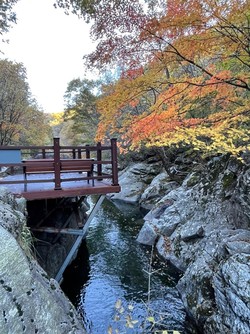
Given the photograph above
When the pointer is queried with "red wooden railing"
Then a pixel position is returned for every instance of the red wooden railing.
(14, 157)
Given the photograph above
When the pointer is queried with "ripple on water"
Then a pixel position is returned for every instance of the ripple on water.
(118, 272)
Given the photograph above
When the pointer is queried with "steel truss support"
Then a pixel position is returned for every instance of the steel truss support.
(81, 235)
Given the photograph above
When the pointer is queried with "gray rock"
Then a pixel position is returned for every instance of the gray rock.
(147, 235)
(134, 179)
(234, 247)
(168, 229)
(163, 247)
(204, 230)
(158, 210)
(198, 301)
(232, 296)
(192, 232)
(160, 186)
(30, 302)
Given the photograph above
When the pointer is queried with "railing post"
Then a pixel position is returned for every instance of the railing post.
(43, 153)
(73, 153)
(79, 154)
(114, 162)
(57, 163)
(99, 159)
(87, 152)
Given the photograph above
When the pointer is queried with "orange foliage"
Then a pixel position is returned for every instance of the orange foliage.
(194, 82)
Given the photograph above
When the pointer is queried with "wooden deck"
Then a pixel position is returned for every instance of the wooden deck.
(60, 183)
(45, 190)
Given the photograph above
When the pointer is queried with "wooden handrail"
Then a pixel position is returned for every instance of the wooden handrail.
(76, 152)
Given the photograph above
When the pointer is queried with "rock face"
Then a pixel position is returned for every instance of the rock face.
(30, 302)
(202, 228)
(134, 179)
(50, 254)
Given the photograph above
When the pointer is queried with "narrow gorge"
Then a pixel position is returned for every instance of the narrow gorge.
(198, 223)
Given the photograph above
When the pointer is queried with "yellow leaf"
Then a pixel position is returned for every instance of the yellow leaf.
(121, 310)
(151, 319)
(118, 304)
(129, 323)
(130, 307)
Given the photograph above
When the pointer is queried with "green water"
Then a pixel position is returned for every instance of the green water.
(112, 290)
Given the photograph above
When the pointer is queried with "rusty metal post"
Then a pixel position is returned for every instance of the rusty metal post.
(114, 162)
(57, 164)
(99, 159)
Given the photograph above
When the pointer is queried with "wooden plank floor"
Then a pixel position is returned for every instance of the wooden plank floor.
(45, 190)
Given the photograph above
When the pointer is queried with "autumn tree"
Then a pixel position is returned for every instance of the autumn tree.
(14, 100)
(189, 59)
(21, 120)
(63, 129)
(35, 128)
(56, 123)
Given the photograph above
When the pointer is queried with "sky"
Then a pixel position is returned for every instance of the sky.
(50, 44)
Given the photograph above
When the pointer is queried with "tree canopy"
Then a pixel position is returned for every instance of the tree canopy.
(32, 120)
(184, 68)
(81, 110)
(185, 71)
(7, 16)
(14, 97)
(19, 115)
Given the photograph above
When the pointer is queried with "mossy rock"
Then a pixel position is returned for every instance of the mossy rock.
(228, 180)
(193, 180)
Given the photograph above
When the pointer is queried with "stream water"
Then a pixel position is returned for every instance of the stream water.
(109, 280)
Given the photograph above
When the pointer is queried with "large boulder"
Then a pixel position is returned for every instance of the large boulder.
(203, 230)
(159, 187)
(30, 302)
(134, 179)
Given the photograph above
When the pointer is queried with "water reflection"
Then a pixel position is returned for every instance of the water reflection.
(116, 270)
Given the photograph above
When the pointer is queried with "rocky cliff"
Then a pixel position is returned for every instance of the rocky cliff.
(30, 302)
(201, 226)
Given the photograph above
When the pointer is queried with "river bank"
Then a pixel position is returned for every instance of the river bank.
(30, 301)
(199, 223)
(113, 292)
(201, 226)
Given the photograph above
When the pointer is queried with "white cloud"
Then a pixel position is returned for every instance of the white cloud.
(51, 45)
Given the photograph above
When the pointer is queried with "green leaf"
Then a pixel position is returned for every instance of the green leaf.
(151, 319)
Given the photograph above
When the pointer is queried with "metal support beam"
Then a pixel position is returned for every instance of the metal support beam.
(71, 231)
(78, 241)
